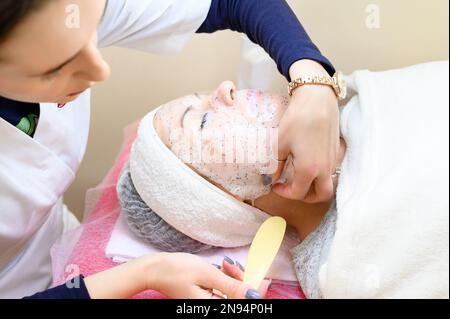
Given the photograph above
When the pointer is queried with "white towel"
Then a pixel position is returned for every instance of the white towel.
(392, 238)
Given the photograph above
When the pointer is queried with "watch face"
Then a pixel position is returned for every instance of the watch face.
(342, 86)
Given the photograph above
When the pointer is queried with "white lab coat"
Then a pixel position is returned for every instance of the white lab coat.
(35, 172)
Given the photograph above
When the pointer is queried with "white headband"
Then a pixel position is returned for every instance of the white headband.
(184, 199)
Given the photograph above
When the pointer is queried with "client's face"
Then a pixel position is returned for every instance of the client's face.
(228, 137)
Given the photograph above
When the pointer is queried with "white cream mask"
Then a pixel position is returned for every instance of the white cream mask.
(184, 199)
(240, 175)
(238, 142)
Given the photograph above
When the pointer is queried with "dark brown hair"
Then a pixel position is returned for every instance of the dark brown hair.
(12, 12)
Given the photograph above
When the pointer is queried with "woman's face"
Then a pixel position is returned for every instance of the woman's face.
(52, 55)
(229, 137)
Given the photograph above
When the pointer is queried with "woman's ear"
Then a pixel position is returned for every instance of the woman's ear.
(226, 92)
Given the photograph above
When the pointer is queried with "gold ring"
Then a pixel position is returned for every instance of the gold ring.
(279, 161)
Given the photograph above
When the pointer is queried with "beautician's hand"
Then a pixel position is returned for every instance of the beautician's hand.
(309, 130)
(188, 276)
(175, 275)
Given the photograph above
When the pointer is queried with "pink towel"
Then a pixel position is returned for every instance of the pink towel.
(82, 251)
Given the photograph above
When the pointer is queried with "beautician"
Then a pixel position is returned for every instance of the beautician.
(48, 64)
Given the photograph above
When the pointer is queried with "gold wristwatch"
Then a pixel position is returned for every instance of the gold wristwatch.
(336, 82)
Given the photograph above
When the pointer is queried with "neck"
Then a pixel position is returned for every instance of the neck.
(302, 216)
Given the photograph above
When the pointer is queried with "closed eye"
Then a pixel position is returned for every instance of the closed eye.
(52, 74)
(204, 119)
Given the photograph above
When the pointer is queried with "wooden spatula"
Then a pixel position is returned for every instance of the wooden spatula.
(263, 250)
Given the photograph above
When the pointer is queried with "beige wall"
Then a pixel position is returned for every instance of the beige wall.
(411, 31)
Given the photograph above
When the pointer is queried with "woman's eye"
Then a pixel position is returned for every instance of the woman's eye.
(52, 75)
(204, 119)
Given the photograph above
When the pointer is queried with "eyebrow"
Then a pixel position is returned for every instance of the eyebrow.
(184, 115)
(61, 65)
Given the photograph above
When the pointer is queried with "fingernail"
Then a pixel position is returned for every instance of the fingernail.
(240, 266)
(228, 260)
(217, 266)
(267, 179)
(252, 294)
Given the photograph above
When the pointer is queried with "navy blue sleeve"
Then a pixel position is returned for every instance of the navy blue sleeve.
(64, 292)
(269, 23)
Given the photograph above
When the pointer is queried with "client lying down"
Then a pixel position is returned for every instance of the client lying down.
(220, 214)
(384, 234)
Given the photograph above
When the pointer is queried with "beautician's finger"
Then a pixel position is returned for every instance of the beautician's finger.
(304, 175)
(265, 286)
(275, 176)
(321, 190)
(233, 269)
(236, 270)
(203, 293)
(284, 151)
(232, 288)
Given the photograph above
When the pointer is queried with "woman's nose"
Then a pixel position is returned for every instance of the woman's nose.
(92, 67)
(226, 92)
